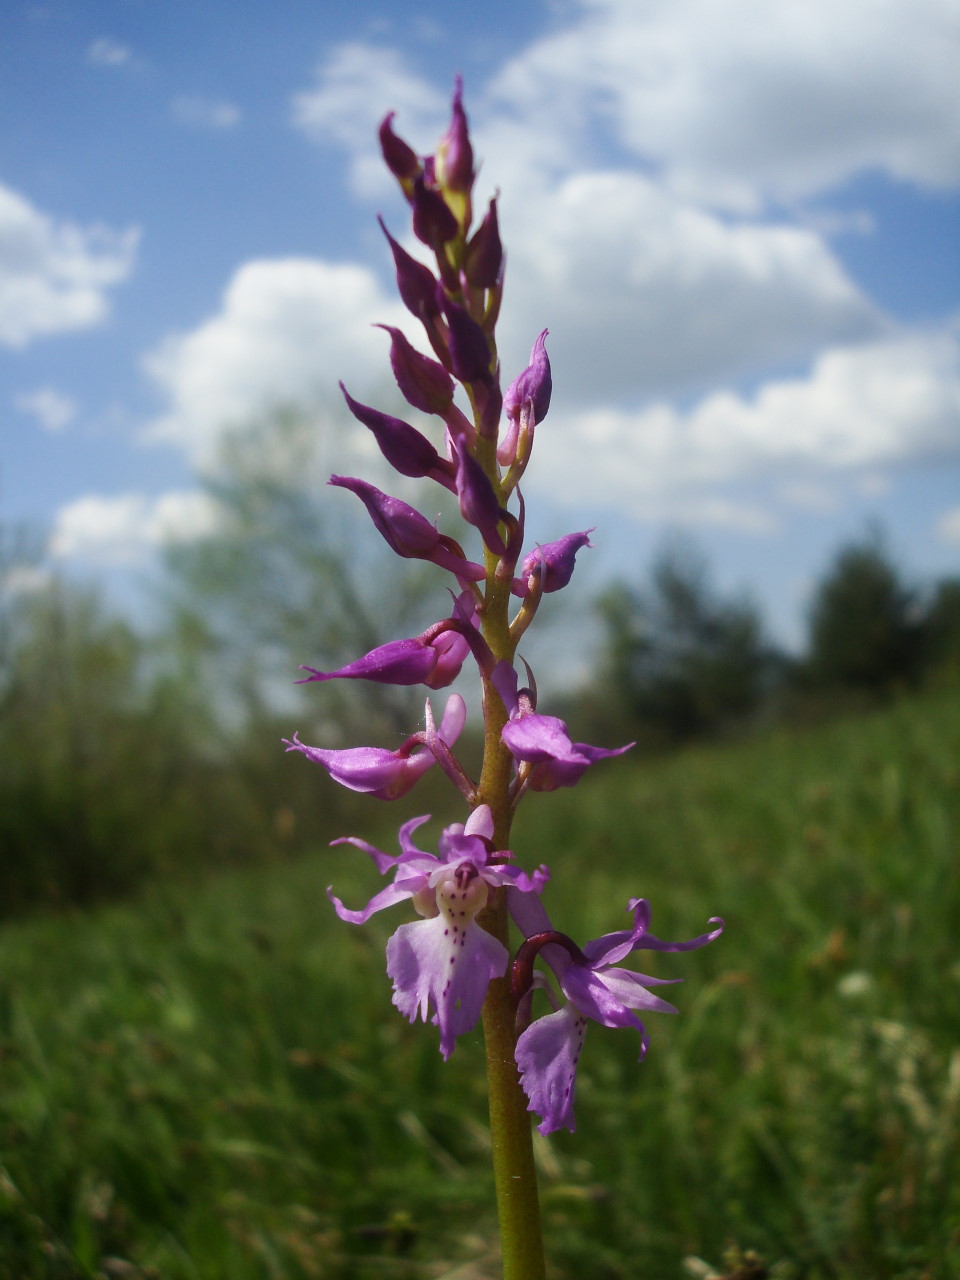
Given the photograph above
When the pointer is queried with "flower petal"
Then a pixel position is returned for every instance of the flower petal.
(435, 968)
(547, 1056)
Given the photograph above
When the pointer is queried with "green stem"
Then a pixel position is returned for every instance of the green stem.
(514, 1171)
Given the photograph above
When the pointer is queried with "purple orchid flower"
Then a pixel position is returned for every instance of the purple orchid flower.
(433, 658)
(441, 965)
(543, 742)
(549, 1049)
(388, 774)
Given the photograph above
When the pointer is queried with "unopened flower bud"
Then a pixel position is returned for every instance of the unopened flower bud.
(416, 282)
(403, 446)
(454, 158)
(433, 220)
(534, 384)
(401, 159)
(469, 349)
(483, 262)
(555, 560)
(425, 383)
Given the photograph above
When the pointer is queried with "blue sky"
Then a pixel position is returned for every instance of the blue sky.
(740, 222)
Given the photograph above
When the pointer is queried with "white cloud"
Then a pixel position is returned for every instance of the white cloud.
(120, 529)
(212, 114)
(106, 52)
(51, 408)
(861, 407)
(948, 525)
(645, 291)
(54, 275)
(742, 101)
(341, 107)
(287, 331)
(646, 294)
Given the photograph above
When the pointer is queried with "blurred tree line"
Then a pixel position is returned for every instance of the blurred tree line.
(127, 755)
(678, 661)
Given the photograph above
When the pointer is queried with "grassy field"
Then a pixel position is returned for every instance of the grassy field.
(211, 1082)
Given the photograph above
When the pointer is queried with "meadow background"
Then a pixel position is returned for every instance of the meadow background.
(739, 223)
(201, 1074)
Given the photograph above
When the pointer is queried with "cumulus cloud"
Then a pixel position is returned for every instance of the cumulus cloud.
(54, 275)
(211, 114)
(340, 107)
(646, 290)
(119, 529)
(747, 101)
(287, 331)
(51, 408)
(646, 294)
(860, 408)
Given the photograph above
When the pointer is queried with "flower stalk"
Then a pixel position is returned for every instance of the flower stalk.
(452, 966)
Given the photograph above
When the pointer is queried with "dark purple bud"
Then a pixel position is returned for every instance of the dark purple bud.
(407, 532)
(401, 159)
(425, 383)
(478, 502)
(555, 560)
(403, 446)
(416, 282)
(469, 349)
(434, 222)
(483, 262)
(454, 159)
(534, 385)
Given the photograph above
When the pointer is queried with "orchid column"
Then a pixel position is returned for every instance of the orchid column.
(453, 963)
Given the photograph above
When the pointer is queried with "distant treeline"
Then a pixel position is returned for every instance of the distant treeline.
(125, 756)
(679, 661)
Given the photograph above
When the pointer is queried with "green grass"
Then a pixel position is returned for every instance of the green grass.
(211, 1082)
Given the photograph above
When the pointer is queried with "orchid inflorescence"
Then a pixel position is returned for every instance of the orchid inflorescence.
(442, 964)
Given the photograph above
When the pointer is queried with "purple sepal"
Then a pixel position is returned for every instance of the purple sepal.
(554, 561)
(407, 532)
(424, 383)
(399, 662)
(469, 349)
(403, 446)
(478, 502)
(483, 261)
(442, 965)
(401, 159)
(453, 165)
(416, 283)
(434, 222)
(532, 386)
(433, 658)
(381, 773)
(543, 741)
